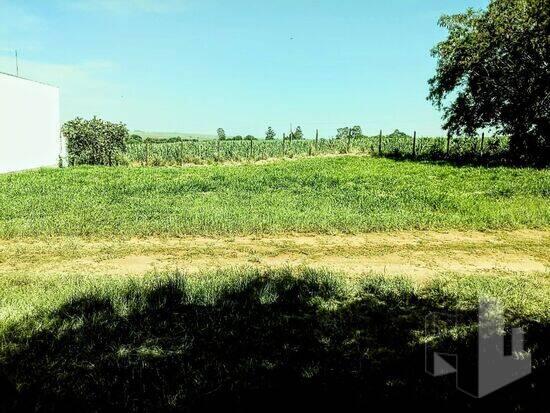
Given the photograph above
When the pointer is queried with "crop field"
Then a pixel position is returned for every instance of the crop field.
(178, 153)
(169, 288)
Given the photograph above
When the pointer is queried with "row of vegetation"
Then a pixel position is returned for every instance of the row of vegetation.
(97, 142)
(249, 341)
(473, 150)
(316, 195)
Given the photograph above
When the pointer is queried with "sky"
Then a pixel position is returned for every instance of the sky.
(196, 65)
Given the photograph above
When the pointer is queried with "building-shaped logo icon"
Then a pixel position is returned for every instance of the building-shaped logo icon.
(490, 365)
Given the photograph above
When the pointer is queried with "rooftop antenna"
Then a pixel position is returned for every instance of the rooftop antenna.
(16, 64)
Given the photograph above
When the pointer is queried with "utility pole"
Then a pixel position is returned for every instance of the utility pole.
(16, 64)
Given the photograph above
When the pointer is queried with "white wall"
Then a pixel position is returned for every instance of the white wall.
(29, 124)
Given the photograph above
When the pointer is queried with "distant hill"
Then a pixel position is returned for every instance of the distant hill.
(153, 135)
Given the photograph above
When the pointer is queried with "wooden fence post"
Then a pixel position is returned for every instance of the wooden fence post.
(414, 144)
(482, 139)
(147, 154)
(284, 137)
(349, 141)
(316, 139)
(290, 137)
(380, 144)
(218, 150)
(250, 155)
(448, 144)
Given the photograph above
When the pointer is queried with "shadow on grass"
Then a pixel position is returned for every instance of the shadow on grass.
(259, 343)
(469, 160)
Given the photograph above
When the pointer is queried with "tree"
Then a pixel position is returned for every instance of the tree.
(237, 138)
(249, 138)
(356, 131)
(397, 134)
(298, 134)
(221, 134)
(270, 134)
(342, 133)
(493, 71)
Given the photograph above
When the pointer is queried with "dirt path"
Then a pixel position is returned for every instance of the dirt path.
(419, 253)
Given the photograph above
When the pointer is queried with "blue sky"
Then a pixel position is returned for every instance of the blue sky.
(196, 65)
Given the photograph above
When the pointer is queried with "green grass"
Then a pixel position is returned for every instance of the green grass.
(244, 340)
(318, 195)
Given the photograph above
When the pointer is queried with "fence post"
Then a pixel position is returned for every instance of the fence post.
(414, 144)
(147, 154)
(290, 141)
(448, 144)
(284, 137)
(181, 152)
(250, 154)
(482, 139)
(380, 144)
(317, 139)
(218, 149)
(349, 141)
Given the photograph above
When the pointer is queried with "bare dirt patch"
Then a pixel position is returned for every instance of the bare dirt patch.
(416, 253)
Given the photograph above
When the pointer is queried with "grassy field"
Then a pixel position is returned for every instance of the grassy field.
(314, 195)
(82, 327)
(247, 339)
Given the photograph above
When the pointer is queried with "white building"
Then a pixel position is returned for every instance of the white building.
(29, 124)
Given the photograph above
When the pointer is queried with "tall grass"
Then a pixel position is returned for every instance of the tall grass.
(319, 195)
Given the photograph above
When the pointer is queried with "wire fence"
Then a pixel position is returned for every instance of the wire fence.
(185, 152)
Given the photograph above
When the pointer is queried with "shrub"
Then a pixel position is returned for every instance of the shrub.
(134, 139)
(95, 141)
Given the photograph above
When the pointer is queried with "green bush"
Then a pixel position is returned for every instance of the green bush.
(134, 139)
(95, 141)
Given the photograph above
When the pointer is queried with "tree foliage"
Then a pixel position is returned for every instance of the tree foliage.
(356, 131)
(95, 141)
(346, 132)
(298, 134)
(221, 134)
(342, 133)
(134, 139)
(397, 134)
(270, 133)
(493, 71)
